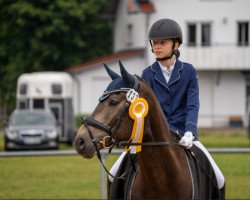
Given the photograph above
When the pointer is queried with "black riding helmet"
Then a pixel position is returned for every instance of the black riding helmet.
(166, 29)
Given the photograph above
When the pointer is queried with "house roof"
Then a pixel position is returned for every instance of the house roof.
(133, 6)
(106, 59)
(144, 6)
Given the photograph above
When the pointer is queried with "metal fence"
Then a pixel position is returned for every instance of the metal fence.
(104, 154)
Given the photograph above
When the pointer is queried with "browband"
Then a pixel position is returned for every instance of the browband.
(106, 94)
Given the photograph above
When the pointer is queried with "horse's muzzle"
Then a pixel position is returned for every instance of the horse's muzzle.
(84, 147)
(80, 143)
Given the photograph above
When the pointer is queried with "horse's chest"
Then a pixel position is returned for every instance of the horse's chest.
(141, 189)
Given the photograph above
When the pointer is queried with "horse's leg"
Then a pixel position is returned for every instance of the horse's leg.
(223, 192)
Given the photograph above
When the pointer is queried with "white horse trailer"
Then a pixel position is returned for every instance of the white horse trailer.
(49, 90)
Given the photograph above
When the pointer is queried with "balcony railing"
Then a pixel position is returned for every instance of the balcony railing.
(217, 56)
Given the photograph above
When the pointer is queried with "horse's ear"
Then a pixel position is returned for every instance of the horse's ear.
(127, 77)
(111, 73)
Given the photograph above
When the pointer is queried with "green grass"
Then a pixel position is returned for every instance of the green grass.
(63, 177)
(236, 169)
(72, 177)
(233, 138)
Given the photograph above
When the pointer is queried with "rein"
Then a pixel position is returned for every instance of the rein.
(126, 144)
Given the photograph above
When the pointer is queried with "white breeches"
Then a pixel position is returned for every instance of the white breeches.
(219, 176)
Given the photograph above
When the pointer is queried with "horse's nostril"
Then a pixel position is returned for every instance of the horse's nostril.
(81, 143)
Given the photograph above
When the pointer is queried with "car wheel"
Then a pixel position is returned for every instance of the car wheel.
(6, 148)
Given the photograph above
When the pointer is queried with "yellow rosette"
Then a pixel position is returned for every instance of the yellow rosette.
(137, 111)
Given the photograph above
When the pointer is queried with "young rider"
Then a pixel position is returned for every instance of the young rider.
(175, 84)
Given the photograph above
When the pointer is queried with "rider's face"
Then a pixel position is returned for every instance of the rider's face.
(162, 48)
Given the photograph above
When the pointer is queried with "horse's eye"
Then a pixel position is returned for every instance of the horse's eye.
(113, 103)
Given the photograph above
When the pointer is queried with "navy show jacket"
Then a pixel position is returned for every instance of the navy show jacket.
(179, 98)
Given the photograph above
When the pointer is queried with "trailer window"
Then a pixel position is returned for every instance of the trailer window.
(38, 103)
(56, 89)
(23, 103)
(23, 89)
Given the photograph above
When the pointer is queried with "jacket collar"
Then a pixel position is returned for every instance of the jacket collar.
(174, 77)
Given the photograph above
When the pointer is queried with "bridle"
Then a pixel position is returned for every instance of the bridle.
(109, 141)
(90, 121)
(131, 93)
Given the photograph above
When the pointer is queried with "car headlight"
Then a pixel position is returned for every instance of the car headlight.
(52, 134)
(11, 134)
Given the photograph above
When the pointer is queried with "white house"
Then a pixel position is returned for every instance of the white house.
(215, 40)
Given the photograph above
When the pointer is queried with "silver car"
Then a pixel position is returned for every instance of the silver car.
(31, 129)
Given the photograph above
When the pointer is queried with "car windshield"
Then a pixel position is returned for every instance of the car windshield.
(31, 118)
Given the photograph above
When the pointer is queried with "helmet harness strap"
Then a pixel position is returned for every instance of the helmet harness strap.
(173, 52)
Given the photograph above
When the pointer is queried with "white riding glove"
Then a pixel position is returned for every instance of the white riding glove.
(187, 140)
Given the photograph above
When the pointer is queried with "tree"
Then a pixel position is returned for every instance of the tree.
(41, 35)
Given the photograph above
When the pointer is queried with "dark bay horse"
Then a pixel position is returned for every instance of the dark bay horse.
(163, 169)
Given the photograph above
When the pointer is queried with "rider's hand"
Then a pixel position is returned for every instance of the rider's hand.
(187, 140)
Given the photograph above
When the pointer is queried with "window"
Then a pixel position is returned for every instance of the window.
(23, 104)
(199, 34)
(243, 33)
(129, 35)
(205, 34)
(56, 89)
(38, 103)
(192, 35)
(23, 89)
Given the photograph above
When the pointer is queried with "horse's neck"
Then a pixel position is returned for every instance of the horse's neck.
(160, 156)
(159, 162)
(156, 123)
(163, 171)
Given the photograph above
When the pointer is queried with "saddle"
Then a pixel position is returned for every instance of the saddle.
(121, 188)
(204, 181)
(203, 177)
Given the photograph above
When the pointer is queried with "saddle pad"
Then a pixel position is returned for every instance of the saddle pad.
(120, 188)
(204, 180)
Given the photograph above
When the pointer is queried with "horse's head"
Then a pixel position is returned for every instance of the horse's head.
(110, 120)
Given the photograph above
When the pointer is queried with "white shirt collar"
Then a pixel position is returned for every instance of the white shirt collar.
(167, 72)
(164, 68)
